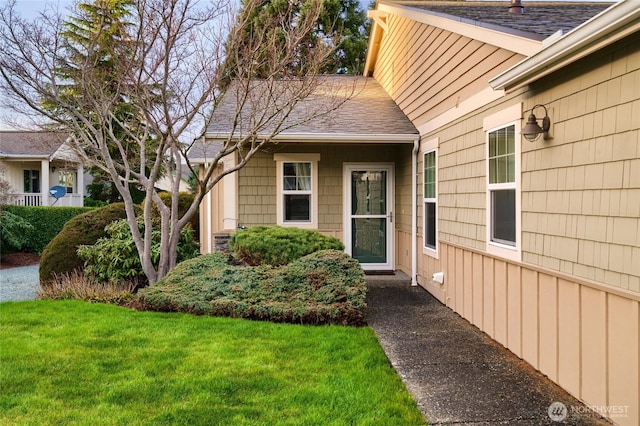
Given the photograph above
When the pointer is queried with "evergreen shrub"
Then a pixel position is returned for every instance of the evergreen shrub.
(278, 245)
(13, 232)
(325, 287)
(60, 257)
(184, 202)
(114, 258)
(46, 222)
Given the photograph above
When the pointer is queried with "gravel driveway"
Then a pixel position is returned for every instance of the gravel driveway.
(20, 283)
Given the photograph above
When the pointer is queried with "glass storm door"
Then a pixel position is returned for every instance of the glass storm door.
(369, 215)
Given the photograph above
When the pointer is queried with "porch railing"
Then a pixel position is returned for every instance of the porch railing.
(27, 199)
(35, 199)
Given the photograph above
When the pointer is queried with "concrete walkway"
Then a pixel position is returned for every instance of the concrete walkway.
(455, 372)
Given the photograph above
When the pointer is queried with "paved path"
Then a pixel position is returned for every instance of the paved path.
(455, 372)
(20, 283)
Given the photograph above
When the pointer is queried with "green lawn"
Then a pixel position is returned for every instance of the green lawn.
(70, 362)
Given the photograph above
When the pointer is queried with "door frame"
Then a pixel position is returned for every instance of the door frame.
(373, 166)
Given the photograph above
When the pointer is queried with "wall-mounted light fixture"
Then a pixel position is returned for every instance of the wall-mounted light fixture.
(532, 130)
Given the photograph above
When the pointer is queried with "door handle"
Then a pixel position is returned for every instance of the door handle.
(390, 216)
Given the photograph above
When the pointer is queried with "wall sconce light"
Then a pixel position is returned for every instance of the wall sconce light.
(532, 130)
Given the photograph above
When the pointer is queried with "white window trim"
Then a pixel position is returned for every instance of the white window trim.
(507, 117)
(427, 147)
(297, 158)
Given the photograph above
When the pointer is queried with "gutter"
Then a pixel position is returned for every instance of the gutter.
(328, 137)
(609, 26)
(414, 212)
(25, 156)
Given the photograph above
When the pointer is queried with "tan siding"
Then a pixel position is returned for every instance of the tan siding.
(451, 67)
(623, 356)
(548, 326)
(257, 183)
(594, 334)
(582, 335)
(580, 193)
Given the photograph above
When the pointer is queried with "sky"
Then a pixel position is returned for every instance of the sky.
(30, 9)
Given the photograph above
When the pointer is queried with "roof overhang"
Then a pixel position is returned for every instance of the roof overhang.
(516, 42)
(344, 138)
(24, 157)
(613, 24)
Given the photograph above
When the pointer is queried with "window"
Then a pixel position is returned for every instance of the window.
(429, 200)
(502, 185)
(297, 189)
(32, 181)
(503, 141)
(66, 179)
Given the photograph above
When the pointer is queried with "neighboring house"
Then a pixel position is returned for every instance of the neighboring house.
(536, 243)
(36, 161)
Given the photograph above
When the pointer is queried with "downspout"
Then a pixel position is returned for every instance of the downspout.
(208, 219)
(414, 212)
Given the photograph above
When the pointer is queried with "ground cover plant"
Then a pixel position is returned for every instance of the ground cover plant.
(327, 286)
(70, 362)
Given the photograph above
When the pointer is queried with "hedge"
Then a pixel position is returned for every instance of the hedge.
(47, 221)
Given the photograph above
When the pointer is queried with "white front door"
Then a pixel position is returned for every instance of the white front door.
(369, 204)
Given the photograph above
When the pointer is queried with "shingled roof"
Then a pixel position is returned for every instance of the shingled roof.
(539, 20)
(30, 143)
(367, 111)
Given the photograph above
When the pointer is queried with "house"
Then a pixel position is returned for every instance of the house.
(429, 171)
(35, 161)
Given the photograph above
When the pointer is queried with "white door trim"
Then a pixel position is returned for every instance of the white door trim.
(390, 249)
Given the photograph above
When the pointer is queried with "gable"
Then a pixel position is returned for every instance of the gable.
(432, 57)
(428, 70)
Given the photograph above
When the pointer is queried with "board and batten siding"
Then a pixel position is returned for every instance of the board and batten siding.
(450, 69)
(571, 306)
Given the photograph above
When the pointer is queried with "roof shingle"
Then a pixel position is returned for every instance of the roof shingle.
(539, 20)
(30, 143)
(369, 111)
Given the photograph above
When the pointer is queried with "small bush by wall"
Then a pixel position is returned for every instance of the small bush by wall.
(46, 223)
(325, 287)
(278, 245)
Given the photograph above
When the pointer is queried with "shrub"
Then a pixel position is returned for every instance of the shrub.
(46, 223)
(114, 258)
(14, 231)
(59, 256)
(90, 202)
(184, 202)
(325, 287)
(277, 245)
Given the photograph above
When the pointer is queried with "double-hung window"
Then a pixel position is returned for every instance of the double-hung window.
(502, 185)
(429, 200)
(297, 183)
(502, 131)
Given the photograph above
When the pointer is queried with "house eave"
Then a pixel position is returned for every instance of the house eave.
(328, 137)
(24, 157)
(611, 25)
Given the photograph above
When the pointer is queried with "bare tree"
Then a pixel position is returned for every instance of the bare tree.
(173, 77)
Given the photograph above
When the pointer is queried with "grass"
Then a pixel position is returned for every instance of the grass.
(72, 362)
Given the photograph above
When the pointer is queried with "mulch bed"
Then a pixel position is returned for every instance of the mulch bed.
(14, 260)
